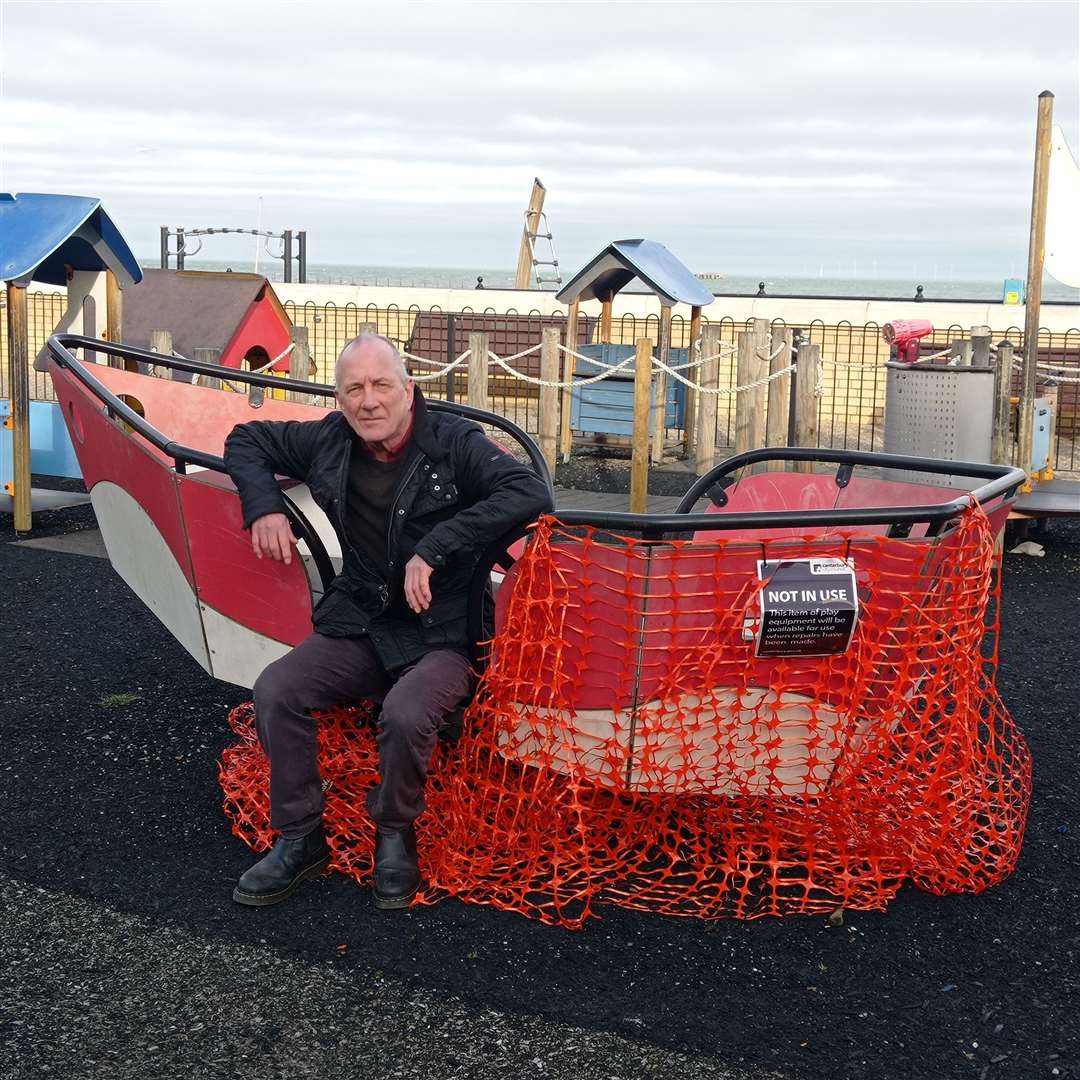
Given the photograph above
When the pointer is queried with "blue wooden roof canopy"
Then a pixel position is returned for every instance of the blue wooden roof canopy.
(622, 261)
(42, 235)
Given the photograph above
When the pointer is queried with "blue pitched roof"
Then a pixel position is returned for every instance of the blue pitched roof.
(622, 261)
(40, 234)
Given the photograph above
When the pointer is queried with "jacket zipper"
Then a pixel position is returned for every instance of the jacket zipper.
(393, 506)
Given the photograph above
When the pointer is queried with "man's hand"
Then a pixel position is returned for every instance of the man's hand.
(272, 537)
(417, 587)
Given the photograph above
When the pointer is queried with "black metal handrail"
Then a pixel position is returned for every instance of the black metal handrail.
(60, 346)
(1004, 480)
(304, 530)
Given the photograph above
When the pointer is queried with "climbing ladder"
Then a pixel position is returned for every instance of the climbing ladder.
(552, 277)
(545, 270)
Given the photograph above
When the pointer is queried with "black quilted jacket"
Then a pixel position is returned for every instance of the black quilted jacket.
(456, 496)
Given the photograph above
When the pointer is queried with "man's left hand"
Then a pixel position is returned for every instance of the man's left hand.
(417, 584)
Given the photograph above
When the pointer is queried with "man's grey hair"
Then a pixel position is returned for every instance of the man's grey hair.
(368, 338)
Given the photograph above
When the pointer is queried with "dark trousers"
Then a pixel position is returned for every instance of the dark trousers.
(322, 672)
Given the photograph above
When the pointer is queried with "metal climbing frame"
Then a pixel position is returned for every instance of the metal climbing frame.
(287, 256)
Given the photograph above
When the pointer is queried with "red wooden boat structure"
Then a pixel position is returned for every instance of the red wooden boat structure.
(629, 709)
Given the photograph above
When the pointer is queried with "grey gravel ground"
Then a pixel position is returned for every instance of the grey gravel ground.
(74, 975)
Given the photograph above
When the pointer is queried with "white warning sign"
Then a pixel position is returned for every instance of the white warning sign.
(809, 607)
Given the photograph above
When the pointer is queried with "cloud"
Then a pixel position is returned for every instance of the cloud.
(702, 121)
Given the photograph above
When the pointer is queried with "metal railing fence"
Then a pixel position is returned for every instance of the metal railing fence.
(851, 404)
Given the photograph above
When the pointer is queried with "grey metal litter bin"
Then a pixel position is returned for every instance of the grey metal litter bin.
(938, 412)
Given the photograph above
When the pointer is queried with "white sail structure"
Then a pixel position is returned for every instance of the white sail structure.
(1062, 259)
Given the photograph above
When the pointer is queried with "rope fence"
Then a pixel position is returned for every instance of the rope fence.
(724, 391)
(1055, 372)
(849, 385)
(743, 395)
(675, 370)
(442, 372)
(610, 370)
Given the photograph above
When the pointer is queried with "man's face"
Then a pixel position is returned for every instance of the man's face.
(370, 393)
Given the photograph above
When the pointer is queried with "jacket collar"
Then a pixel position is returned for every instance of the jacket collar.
(422, 433)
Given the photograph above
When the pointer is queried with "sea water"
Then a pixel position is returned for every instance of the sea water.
(463, 277)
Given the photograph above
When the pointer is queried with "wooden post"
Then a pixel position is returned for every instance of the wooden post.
(663, 352)
(549, 395)
(532, 227)
(203, 356)
(1036, 255)
(759, 368)
(639, 462)
(709, 376)
(478, 370)
(693, 354)
(1000, 442)
(806, 402)
(605, 321)
(743, 358)
(299, 360)
(776, 423)
(19, 388)
(980, 346)
(161, 343)
(114, 316)
(566, 438)
(961, 351)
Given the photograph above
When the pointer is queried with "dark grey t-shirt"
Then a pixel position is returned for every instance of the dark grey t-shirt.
(371, 490)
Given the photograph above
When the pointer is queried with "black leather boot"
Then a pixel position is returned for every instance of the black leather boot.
(397, 876)
(276, 875)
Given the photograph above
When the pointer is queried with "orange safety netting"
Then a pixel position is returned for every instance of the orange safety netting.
(626, 746)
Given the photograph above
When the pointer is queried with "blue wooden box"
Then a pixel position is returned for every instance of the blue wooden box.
(51, 452)
(607, 407)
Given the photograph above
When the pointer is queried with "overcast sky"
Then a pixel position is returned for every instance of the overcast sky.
(749, 137)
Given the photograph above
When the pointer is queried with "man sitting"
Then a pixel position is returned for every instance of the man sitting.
(414, 497)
